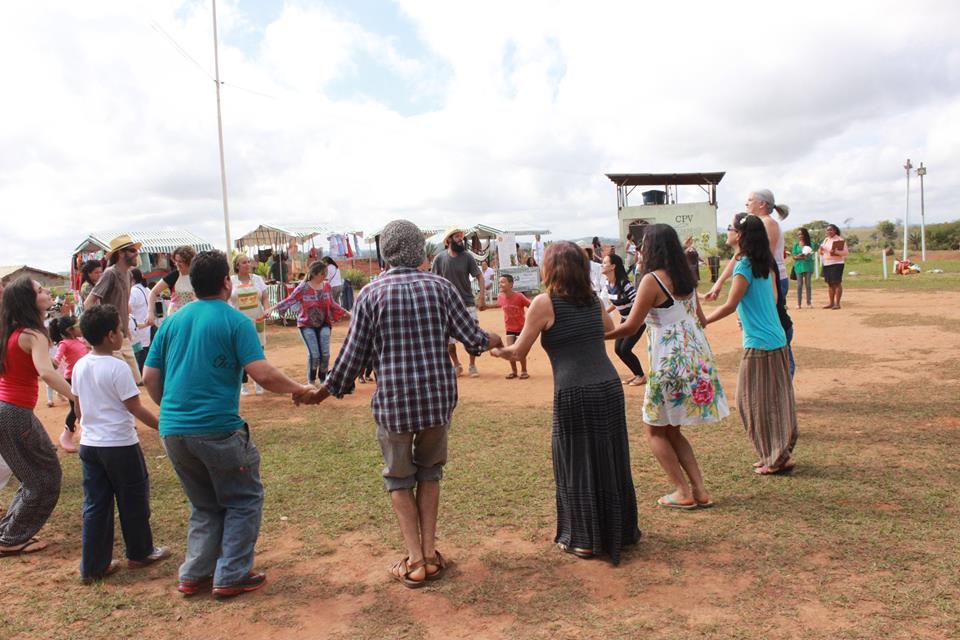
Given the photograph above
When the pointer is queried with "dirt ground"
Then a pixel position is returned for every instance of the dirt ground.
(877, 338)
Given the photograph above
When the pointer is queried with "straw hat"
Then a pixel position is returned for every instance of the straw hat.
(449, 232)
(122, 242)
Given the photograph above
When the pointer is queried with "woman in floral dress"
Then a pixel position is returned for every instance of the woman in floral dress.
(683, 387)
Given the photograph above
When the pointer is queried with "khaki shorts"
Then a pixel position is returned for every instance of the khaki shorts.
(473, 314)
(126, 354)
(410, 458)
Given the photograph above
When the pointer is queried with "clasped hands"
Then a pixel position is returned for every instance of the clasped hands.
(310, 395)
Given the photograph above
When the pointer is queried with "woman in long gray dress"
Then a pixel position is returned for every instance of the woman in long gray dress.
(596, 501)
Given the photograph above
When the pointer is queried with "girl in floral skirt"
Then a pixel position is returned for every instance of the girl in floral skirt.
(683, 387)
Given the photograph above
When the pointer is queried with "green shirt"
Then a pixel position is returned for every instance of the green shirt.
(801, 263)
(201, 351)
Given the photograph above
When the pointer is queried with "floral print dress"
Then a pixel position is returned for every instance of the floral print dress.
(683, 387)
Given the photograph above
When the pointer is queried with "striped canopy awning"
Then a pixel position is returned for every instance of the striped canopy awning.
(152, 241)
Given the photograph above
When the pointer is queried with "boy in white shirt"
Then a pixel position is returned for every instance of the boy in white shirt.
(113, 464)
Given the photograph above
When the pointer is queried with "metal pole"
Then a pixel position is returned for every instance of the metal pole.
(906, 216)
(223, 170)
(922, 171)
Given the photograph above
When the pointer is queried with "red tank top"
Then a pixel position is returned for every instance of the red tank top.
(18, 384)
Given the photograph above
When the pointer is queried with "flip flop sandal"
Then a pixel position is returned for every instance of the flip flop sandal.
(401, 573)
(30, 546)
(583, 554)
(670, 502)
(705, 505)
(439, 562)
(510, 376)
(524, 375)
(637, 382)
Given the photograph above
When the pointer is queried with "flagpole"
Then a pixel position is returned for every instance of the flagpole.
(223, 170)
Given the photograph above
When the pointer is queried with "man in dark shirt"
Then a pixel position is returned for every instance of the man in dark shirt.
(457, 265)
(402, 321)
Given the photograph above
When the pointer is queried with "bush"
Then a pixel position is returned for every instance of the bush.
(358, 279)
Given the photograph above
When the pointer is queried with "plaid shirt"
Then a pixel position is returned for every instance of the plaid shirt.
(402, 323)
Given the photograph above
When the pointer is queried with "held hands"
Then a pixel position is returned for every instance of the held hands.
(310, 395)
(711, 295)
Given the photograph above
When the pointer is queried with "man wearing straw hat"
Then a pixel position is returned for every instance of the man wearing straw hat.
(457, 265)
(114, 288)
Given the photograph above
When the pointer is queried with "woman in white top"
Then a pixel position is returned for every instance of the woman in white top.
(488, 279)
(334, 278)
(249, 297)
(139, 303)
(177, 281)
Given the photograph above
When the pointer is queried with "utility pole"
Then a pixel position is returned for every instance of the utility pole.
(906, 217)
(922, 171)
(223, 170)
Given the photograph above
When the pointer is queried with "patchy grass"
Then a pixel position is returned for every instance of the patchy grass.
(860, 542)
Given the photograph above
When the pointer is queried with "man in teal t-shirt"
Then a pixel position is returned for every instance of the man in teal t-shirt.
(193, 372)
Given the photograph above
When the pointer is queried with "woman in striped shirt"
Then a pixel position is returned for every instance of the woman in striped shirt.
(622, 295)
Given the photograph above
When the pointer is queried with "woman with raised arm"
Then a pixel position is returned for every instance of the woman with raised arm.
(764, 389)
(318, 312)
(683, 387)
(762, 204)
(596, 501)
(177, 282)
(24, 444)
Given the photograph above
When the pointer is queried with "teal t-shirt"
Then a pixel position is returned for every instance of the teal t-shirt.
(758, 311)
(201, 351)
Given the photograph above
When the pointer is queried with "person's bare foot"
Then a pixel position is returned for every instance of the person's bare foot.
(66, 442)
(828, 306)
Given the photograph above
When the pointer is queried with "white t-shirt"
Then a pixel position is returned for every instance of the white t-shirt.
(488, 275)
(333, 276)
(538, 251)
(138, 309)
(102, 383)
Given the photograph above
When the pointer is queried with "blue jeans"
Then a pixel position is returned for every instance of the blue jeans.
(108, 473)
(784, 286)
(220, 473)
(317, 340)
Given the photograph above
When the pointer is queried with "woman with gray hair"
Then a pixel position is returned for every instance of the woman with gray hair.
(761, 203)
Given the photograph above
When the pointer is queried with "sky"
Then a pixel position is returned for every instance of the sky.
(351, 113)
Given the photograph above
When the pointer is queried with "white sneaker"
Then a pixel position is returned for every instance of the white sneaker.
(472, 370)
(257, 388)
(243, 390)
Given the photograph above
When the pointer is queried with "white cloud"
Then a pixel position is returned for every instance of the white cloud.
(105, 125)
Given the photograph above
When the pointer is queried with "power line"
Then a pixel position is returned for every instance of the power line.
(181, 50)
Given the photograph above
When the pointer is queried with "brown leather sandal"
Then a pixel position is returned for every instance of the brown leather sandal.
(403, 568)
(436, 561)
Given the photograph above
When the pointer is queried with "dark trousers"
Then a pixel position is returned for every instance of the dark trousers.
(141, 357)
(71, 420)
(624, 349)
(108, 473)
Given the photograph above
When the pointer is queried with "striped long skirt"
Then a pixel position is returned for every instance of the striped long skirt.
(766, 404)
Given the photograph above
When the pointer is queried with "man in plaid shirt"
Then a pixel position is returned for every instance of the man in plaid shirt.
(402, 323)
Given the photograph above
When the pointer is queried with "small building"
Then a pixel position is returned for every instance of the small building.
(46, 278)
(691, 219)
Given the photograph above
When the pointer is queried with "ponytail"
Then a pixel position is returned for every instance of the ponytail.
(783, 210)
